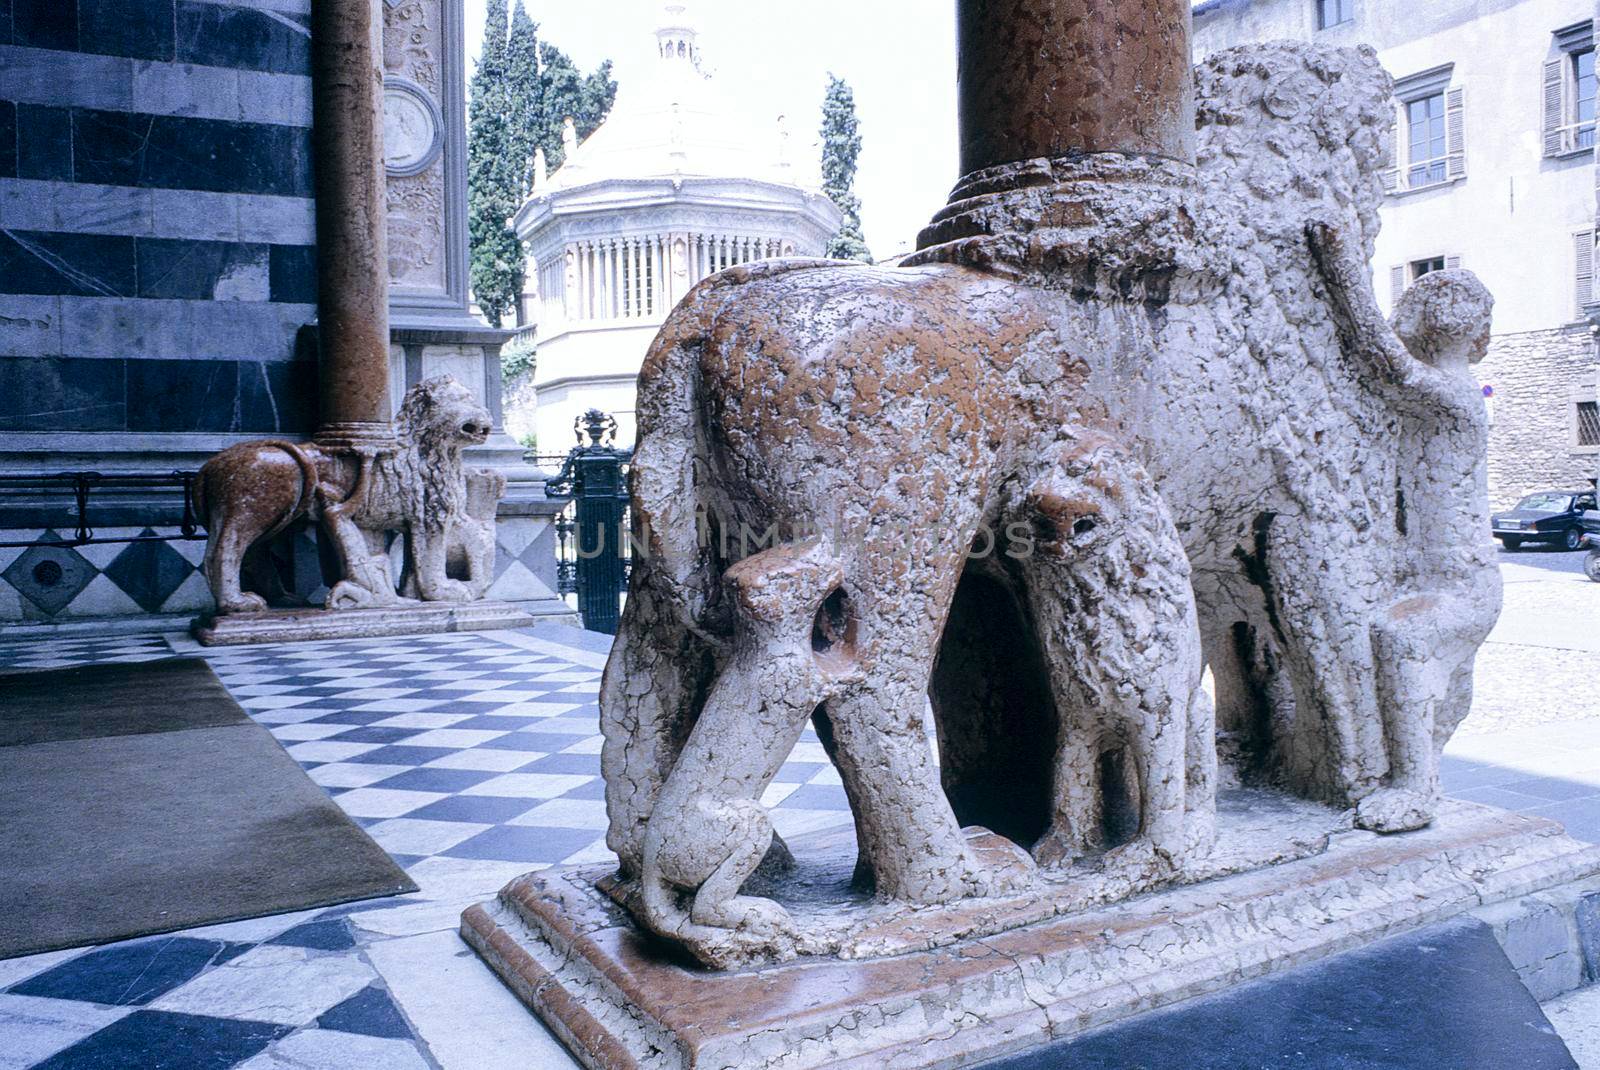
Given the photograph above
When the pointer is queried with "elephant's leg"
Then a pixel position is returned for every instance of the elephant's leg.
(224, 561)
(822, 721)
(1321, 610)
(1075, 827)
(909, 835)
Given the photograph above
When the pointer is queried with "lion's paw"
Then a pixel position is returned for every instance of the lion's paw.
(451, 591)
(749, 914)
(1140, 861)
(246, 602)
(1395, 810)
(348, 595)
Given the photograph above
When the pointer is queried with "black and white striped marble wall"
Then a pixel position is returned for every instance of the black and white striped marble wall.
(157, 258)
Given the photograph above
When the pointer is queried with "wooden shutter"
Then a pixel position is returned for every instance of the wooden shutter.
(1583, 268)
(1397, 282)
(1455, 136)
(1451, 263)
(1390, 166)
(1555, 110)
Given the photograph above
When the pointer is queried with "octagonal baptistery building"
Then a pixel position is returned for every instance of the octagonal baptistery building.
(671, 188)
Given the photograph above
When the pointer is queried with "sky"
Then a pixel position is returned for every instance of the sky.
(772, 57)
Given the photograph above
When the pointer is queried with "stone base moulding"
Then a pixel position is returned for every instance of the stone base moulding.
(622, 1002)
(410, 618)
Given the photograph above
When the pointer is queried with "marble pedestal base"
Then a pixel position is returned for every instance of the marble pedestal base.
(621, 1001)
(406, 618)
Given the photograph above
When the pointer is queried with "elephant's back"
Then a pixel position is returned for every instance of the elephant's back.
(859, 362)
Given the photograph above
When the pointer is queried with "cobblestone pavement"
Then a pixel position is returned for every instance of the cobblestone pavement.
(1532, 741)
(1539, 664)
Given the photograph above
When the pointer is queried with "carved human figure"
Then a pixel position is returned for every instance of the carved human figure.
(254, 490)
(1447, 584)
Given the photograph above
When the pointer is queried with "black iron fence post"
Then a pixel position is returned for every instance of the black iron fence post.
(593, 477)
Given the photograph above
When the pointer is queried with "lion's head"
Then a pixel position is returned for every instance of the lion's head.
(438, 419)
(1297, 128)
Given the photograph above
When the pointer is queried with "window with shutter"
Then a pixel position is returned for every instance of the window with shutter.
(1397, 282)
(1455, 133)
(1583, 270)
(1425, 141)
(1583, 99)
(1568, 93)
(1555, 85)
(1431, 135)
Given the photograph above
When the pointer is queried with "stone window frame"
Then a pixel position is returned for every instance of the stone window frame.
(1562, 134)
(1436, 81)
(1579, 398)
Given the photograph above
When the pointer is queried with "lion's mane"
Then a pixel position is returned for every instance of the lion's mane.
(426, 471)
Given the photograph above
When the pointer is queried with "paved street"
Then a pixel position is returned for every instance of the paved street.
(1532, 742)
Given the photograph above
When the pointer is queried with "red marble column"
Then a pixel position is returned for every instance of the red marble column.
(1053, 77)
(352, 256)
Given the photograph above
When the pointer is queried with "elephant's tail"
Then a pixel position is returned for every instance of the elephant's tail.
(676, 523)
(668, 478)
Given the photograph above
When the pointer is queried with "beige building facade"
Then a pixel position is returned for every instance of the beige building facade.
(1493, 170)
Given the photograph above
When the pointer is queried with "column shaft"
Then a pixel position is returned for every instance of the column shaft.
(352, 255)
(1055, 77)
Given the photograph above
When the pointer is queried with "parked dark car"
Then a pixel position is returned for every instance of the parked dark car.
(1591, 542)
(1551, 516)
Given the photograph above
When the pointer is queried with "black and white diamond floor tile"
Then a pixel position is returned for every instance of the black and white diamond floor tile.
(470, 758)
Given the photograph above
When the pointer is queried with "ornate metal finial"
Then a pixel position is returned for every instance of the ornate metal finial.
(601, 428)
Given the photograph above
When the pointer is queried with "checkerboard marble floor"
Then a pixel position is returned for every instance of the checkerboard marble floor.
(470, 758)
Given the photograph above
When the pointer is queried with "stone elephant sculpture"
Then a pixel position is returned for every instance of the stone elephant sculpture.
(1135, 363)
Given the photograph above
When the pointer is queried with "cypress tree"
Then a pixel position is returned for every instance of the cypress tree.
(522, 92)
(841, 145)
(492, 176)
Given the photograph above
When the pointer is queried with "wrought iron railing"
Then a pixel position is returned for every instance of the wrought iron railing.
(83, 485)
(592, 548)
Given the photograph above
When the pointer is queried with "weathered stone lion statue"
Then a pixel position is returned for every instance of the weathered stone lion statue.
(252, 491)
(1141, 374)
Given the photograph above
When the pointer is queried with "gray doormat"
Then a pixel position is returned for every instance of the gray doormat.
(110, 836)
(113, 700)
